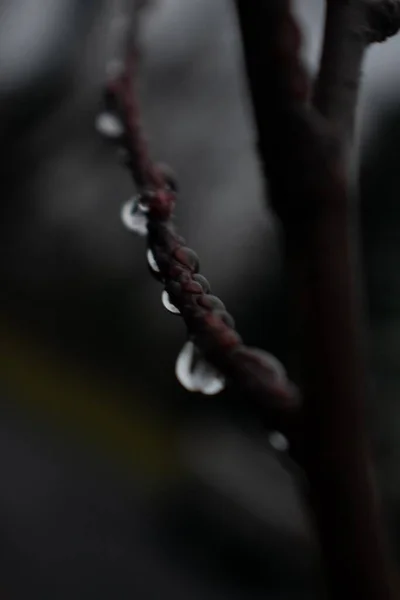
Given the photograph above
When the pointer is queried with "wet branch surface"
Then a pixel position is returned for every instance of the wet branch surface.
(210, 327)
(304, 151)
(303, 156)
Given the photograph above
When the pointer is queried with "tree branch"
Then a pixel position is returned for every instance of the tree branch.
(350, 27)
(338, 81)
(210, 327)
(304, 161)
(383, 17)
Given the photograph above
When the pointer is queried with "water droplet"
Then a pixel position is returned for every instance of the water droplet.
(109, 125)
(278, 441)
(195, 374)
(152, 261)
(133, 218)
(166, 300)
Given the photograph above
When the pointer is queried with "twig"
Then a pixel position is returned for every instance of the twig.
(338, 81)
(304, 162)
(350, 27)
(259, 375)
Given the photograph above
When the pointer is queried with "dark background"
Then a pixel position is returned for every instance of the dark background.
(115, 482)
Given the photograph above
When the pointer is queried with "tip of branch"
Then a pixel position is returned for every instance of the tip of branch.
(383, 19)
(266, 378)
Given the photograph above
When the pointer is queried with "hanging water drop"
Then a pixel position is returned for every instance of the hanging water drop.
(195, 374)
(109, 125)
(278, 441)
(166, 300)
(143, 202)
(133, 218)
(152, 261)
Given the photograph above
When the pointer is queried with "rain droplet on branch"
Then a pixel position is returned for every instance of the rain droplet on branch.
(195, 374)
(152, 261)
(133, 217)
(109, 125)
(166, 300)
(278, 441)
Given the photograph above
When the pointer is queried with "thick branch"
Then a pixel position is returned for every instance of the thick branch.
(304, 162)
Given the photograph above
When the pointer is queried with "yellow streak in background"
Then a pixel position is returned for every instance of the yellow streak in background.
(80, 403)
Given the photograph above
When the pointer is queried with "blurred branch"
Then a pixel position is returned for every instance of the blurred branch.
(338, 81)
(350, 27)
(304, 160)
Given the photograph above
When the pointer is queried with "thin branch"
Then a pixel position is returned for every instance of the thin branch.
(350, 27)
(210, 327)
(304, 162)
(338, 81)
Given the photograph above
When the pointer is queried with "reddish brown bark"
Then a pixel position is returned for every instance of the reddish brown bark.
(303, 157)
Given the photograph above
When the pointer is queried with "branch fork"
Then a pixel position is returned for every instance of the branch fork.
(305, 143)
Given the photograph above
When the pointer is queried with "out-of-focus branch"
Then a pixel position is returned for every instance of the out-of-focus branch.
(304, 161)
(383, 19)
(338, 81)
(350, 27)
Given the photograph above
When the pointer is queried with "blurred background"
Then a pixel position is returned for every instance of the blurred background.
(115, 482)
